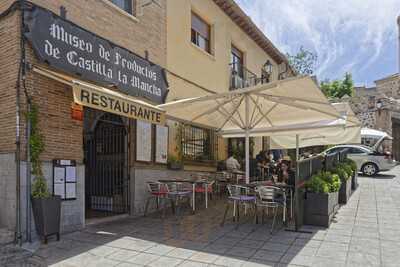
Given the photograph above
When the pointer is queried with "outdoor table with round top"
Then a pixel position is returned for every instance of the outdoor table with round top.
(194, 182)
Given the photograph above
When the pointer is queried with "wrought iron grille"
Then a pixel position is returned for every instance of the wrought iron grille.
(198, 143)
(106, 183)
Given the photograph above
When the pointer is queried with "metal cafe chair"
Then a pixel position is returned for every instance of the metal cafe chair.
(270, 197)
(179, 192)
(238, 195)
(158, 192)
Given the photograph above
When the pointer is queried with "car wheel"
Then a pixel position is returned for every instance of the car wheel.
(369, 169)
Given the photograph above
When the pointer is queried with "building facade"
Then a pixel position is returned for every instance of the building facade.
(214, 47)
(95, 71)
(92, 43)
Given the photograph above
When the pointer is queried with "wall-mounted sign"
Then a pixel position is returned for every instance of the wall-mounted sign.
(161, 144)
(64, 179)
(107, 100)
(74, 50)
(143, 141)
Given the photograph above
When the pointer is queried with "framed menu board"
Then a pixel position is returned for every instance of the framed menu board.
(161, 144)
(64, 179)
(143, 141)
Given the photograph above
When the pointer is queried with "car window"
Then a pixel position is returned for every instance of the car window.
(334, 150)
(355, 150)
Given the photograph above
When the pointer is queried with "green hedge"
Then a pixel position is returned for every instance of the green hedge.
(324, 182)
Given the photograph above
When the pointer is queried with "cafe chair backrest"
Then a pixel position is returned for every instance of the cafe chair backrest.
(268, 193)
(154, 187)
(236, 190)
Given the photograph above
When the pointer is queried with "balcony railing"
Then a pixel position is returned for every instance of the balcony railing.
(241, 77)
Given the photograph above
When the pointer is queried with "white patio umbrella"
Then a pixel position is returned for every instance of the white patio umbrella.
(294, 105)
(349, 134)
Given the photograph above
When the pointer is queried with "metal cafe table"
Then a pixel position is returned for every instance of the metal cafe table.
(194, 182)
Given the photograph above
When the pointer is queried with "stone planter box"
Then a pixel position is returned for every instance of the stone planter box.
(354, 181)
(345, 191)
(319, 209)
(175, 166)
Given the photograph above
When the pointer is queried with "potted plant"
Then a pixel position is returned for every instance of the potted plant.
(174, 163)
(342, 170)
(321, 202)
(354, 175)
(46, 208)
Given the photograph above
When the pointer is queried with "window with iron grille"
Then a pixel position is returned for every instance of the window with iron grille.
(126, 5)
(198, 143)
(200, 34)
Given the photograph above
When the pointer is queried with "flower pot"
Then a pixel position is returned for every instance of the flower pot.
(354, 181)
(319, 208)
(175, 165)
(46, 212)
(345, 191)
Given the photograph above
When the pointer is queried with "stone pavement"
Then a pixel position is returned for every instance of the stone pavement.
(366, 232)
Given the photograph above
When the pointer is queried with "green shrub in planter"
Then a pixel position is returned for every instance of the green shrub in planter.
(354, 175)
(352, 164)
(321, 201)
(345, 188)
(317, 185)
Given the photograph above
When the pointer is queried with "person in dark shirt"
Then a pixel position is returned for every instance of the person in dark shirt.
(285, 174)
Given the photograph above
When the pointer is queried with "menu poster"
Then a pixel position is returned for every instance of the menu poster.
(161, 144)
(143, 141)
(64, 179)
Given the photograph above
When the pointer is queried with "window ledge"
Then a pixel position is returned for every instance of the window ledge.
(119, 10)
(211, 56)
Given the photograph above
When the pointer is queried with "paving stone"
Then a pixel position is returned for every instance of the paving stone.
(122, 255)
(272, 246)
(165, 261)
(250, 243)
(143, 258)
(297, 259)
(362, 259)
(325, 262)
(231, 261)
(180, 253)
(305, 251)
(160, 249)
(272, 256)
(193, 264)
(244, 252)
(204, 257)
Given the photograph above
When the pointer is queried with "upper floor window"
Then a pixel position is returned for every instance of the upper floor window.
(237, 61)
(200, 34)
(126, 5)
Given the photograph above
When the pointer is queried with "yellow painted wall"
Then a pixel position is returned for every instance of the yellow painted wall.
(210, 71)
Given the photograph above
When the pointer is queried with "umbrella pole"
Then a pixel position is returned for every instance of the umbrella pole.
(247, 145)
(296, 191)
(247, 139)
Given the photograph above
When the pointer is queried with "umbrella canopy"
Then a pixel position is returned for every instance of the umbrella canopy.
(349, 134)
(285, 106)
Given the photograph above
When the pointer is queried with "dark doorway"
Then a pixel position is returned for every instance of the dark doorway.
(106, 175)
(396, 138)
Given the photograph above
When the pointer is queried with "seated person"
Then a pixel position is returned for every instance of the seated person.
(285, 174)
(232, 164)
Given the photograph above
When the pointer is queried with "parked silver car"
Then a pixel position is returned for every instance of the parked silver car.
(368, 160)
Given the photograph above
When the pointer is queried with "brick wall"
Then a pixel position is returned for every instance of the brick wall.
(9, 61)
(63, 136)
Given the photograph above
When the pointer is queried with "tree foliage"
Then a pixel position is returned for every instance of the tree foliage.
(303, 62)
(338, 88)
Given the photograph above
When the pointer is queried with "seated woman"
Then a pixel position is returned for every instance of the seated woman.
(285, 174)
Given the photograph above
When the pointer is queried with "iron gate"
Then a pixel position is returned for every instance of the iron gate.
(106, 183)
